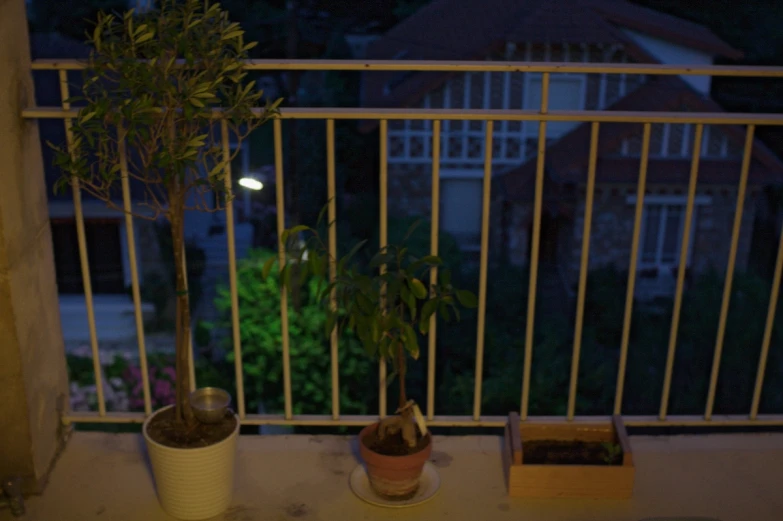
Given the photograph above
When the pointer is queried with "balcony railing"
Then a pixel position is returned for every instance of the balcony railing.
(436, 116)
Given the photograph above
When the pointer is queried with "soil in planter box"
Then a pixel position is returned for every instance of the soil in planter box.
(394, 445)
(556, 452)
(164, 430)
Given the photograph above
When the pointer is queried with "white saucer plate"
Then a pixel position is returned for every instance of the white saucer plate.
(428, 487)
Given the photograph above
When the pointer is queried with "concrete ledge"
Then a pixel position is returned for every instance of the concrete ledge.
(725, 477)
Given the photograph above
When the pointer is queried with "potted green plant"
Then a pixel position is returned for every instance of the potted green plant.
(387, 303)
(164, 92)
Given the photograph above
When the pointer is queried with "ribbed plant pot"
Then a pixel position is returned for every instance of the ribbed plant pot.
(393, 477)
(193, 484)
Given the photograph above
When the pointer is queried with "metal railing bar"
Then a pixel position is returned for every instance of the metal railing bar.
(326, 420)
(134, 272)
(332, 212)
(686, 238)
(601, 116)
(83, 257)
(483, 266)
(475, 66)
(232, 273)
(280, 196)
(534, 248)
(580, 302)
(432, 336)
(618, 397)
(724, 309)
(773, 301)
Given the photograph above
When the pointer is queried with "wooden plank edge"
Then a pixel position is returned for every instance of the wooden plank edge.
(622, 438)
(516, 437)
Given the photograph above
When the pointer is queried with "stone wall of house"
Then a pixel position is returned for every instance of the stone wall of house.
(147, 248)
(410, 194)
(613, 221)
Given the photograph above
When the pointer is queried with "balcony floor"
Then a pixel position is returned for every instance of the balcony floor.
(721, 477)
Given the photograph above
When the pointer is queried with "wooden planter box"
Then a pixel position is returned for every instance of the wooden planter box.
(577, 481)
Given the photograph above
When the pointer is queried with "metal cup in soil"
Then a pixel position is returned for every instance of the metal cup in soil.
(210, 404)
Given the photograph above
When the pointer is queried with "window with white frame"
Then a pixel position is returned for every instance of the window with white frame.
(675, 141)
(566, 92)
(663, 225)
(460, 206)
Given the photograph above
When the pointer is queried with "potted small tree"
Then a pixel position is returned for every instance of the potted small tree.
(163, 94)
(386, 309)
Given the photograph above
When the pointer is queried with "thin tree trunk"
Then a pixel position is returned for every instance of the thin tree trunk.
(184, 412)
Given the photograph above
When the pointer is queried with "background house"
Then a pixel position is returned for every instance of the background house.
(566, 31)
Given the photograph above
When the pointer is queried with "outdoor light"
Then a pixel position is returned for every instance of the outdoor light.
(251, 184)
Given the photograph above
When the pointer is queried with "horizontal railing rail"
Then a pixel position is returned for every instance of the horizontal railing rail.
(542, 116)
(476, 66)
(600, 116)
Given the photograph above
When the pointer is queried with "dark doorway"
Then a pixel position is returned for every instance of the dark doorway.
(104, 253)
(550, 227)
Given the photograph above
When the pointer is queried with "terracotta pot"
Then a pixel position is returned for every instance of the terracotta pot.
(393, 477)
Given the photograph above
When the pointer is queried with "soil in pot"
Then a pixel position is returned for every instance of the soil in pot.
(164, 429)
(556, 452)
(394, 445)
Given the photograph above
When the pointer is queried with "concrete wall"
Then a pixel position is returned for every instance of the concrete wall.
(33, 377)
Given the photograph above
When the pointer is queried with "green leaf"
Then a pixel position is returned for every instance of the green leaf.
(411, 229)
(456, 311)
(381, 258)
(410, 299)
(445, 277)
(249, 46)
(411, 342)
(426, 312)
(467, 298)
(321, 214)
(418, 289)
(145, 37)
(232, 34)
(295, 230)
(196, 102)
(198, 141)
(87, 117)
(365, 305)
(443, 310)
(353, 252)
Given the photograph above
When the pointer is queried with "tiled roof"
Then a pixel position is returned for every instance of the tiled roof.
(567, 159)
(468, 30)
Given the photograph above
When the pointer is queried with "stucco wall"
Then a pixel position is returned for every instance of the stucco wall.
(33, 377)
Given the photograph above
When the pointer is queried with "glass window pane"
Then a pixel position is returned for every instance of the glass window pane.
(651, 230)
(461, 208)
(564, 94)
(671, 239)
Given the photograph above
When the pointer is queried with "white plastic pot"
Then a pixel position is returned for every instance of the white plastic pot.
(193, 484)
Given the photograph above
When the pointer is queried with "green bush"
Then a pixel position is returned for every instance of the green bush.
(261, 336)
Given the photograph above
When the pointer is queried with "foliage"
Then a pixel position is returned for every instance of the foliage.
(613, 452)
(148, 120)
(387, 310)
(162, 380)
(261, 336)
